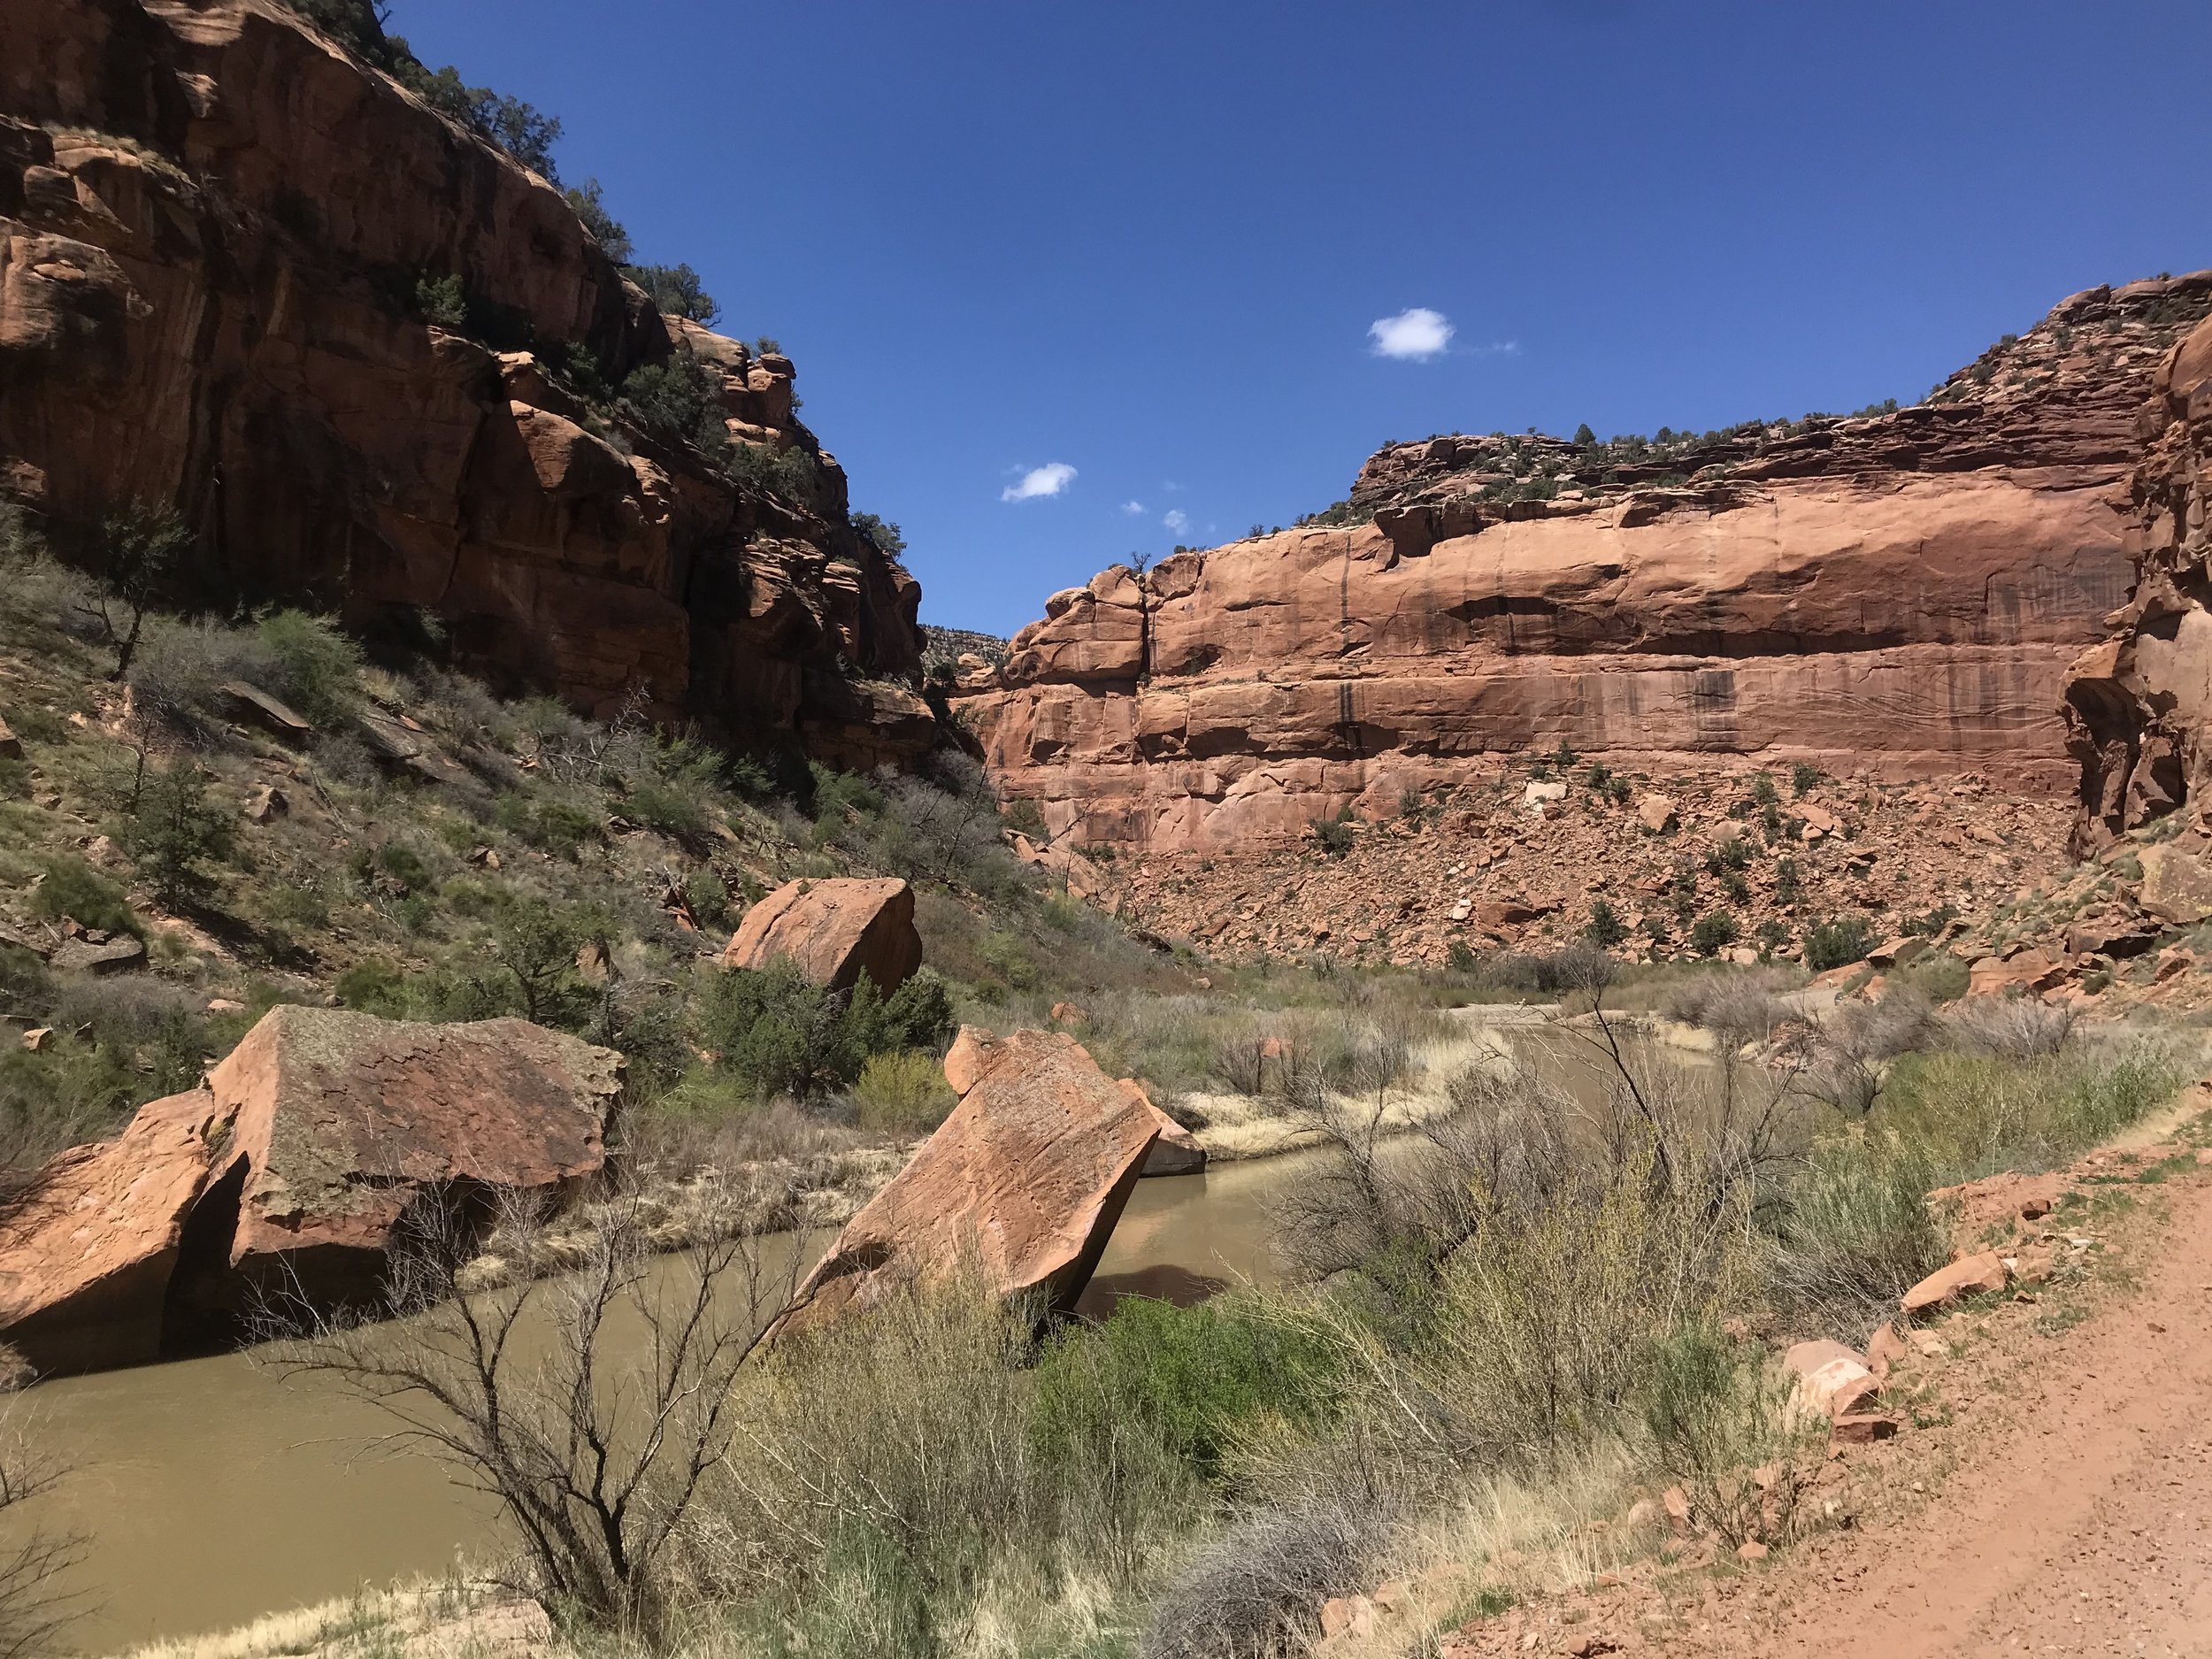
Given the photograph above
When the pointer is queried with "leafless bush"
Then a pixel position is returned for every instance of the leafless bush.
(1844, 1054)
(33, 1609)
(2011, 1027)
(1256, 1589)
(1737, 1006)
(591, 1406)
(178, 675)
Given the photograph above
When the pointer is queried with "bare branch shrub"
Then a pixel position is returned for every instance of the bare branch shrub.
(1737, 1005)
(33, 1608)
(592, 1406)
(1254, 1589)
(2011, 1027)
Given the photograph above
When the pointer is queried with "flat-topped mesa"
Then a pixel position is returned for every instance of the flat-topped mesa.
(368, 358)
(1897, 592)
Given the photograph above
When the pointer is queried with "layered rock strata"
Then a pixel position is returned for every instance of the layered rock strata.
(215, 229)
(2138, 704)
(1901, 593)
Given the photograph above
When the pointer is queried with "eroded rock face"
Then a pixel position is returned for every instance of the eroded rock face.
(1901, 593)
(1025, 1181)
(2138, 704)
(284, 1178)
(833, 930)
(213, 223)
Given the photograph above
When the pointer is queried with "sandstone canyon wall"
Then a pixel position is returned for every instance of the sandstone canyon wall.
(213, 226)
(1901, 591)
(2138, 705)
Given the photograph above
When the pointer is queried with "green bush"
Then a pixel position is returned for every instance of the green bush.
(74, 890)
(780, 1033)
(1803, 779)
(676, 292)
(318, 668)
(1334, 835)
(1836, 944)
(1853, 1233)
(176, 833)
(440, 302)
(1193, 1377)
(1605, 929)
(677, 400)
(605, 229)
(1713, 933)
(792, 473)
(903, 1091)
(375, 986)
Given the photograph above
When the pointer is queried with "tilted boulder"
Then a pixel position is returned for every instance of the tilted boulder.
(1177, 1152)
(832, 932)
(1023, 1183)
(287, 1174)
(86, 1253)
(1971, 1276)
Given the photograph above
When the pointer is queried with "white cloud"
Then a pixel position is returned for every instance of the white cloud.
(1414, 335)
(1135, 508)
(1049, 479)
(1177, 520)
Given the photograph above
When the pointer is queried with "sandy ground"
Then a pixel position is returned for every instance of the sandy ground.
(2078, 1519)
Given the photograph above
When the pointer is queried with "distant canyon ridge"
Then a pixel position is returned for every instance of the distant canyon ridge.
(1926, 591)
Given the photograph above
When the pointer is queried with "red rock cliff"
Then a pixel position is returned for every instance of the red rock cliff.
(2138, 706)
(1901, 591)
(212, 222)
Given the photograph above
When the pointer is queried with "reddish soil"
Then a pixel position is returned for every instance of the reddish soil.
(2079, 1520)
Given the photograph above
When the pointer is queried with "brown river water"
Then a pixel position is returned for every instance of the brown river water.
(213, 1491)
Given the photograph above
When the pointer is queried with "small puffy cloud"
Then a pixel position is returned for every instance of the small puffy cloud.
(1049, 479)
(1414, 335)
(1177, 520)
(1135, 508)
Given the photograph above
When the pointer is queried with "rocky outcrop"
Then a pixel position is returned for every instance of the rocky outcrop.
(1899, 592)
(2138, 704)
(285, 1177)
(1021, 1185)
(833, 930)
(214, 228)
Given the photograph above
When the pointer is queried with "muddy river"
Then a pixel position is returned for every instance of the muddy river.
(215, 1490)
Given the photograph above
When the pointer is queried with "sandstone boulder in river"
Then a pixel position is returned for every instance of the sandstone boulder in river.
(833, 930)
(286, 1173)
(1025, 1181)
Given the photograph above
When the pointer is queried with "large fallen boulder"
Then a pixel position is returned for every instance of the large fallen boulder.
(86, 1251)
(1176, 1151)
(1023, 1183)
(833, 930)
(285, 1177)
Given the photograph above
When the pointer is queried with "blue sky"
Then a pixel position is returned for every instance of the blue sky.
(1146, 243)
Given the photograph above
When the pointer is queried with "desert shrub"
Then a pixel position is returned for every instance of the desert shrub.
(1804, 779)
(317, 668)
(2011, 1027)
(780, 1033)
(606, 230)
(375, 987)
(1605, 928)
(558, 824)
(1255, 1587)
(1740, 1005)
(534, 944)
(1193, 1377)
(137, 548)
(1789, 884)
(1838, 943)
(1713, 933)
(180, 668)
(676, 291)
(792, 473)
(903, 1091)
(1854, 1232)
(1713, 1410)
(677, 400)
(1334, 835)
(178, 834)
(673, 789)
(1762, 790)
(74, 890)
(1460, 957)
(440, 302)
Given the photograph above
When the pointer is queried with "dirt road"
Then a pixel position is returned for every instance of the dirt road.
(2077, 1519)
